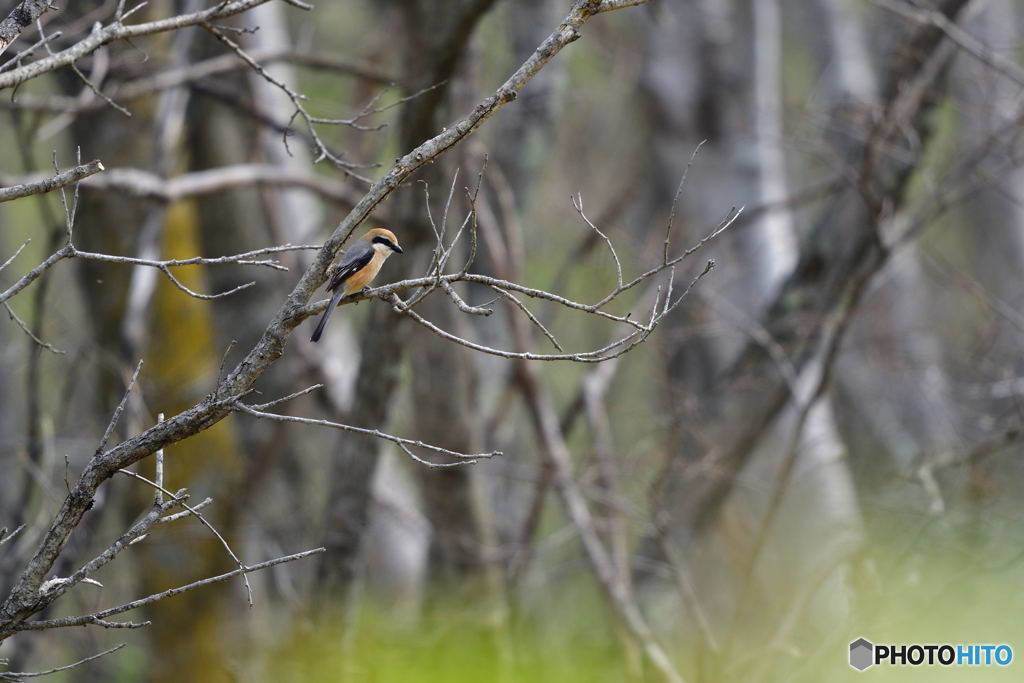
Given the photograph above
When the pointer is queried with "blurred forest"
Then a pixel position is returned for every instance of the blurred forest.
(705, 474)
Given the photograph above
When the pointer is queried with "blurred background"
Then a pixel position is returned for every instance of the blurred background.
(820, 443)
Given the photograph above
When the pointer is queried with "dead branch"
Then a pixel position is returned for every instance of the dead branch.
(24, 328)
(97, 617)
(404, 444)
(178, 498)
(19, 675)
(191, 73)
(62, 179)
(141, 183)
(20, 18)
(120, 31)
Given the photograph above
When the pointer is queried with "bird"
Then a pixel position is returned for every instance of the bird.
(356, 268)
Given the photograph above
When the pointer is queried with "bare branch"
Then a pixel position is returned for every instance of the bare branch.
(52, 183)
(612, 5)
(533, 319)
(404, 444)
(731, 218)
(675, 201)
(17, 676)
(278, 401)
(142, 183)
(96, 90)
(462, 305)
(370, 109)
(24, 328)
(5, 538)
(616, 348)
(44, 40)
(185, 513)
(164, 266)
(577, 203)
(195, 512)
(612, 350)
(243, 259)
(384, 291)
(29, 277)
(20, 18)
(119, 31)
(15, 254)
(191, 73)
(57, 586)
(322, 151)
(96, 617)
(120, 409)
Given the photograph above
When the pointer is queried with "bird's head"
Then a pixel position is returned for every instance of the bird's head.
(384, 240)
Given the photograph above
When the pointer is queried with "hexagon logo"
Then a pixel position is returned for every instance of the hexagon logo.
(861, 654)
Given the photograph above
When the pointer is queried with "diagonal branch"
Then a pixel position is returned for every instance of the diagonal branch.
(100, 36)
(19, 675)
(62, 179)
(404, 444)
(20, 18)
(96, 617)
(178, 499)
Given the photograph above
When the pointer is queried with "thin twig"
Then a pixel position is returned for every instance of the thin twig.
(119, 31)
(120, 409)
(30, 50)
(99, 93)
(185, 513)
(577, 203)
(675, 201)
(462, 305)
(4, 539)
(28, 278)
(141, 183)
(278, 401)
(15, 254)
(404, 444)
(243, 259)
(533, 319)
(55, 587)
(18, 675)
(24, 328)
(195, 512)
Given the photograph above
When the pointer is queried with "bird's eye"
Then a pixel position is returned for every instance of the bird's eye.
(380, 239)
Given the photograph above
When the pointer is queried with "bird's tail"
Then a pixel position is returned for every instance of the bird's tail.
(327, 314)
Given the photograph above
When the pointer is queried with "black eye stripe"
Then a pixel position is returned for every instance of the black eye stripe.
(380, 239)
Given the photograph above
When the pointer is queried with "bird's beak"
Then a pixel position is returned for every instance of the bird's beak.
(398, 248)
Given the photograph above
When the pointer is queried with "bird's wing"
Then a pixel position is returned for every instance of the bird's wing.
(352, 261)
